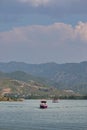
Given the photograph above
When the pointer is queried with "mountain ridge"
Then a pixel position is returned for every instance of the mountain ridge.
(63, 76)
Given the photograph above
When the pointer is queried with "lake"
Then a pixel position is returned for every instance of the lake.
(26, 115)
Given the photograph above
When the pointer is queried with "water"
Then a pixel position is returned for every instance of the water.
(26, 115)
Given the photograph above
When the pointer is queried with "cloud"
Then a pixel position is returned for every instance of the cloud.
(41, 35)
(45, 32)
(43, 43)
(81, 31)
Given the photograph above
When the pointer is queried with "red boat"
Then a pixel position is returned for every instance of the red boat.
(43, 104)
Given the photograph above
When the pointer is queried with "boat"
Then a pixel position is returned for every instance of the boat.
(43, 104)
(55, 100)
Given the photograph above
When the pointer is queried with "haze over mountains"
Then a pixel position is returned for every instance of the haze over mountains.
(71, 76)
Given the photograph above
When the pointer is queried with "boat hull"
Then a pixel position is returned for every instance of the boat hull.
(43, 106)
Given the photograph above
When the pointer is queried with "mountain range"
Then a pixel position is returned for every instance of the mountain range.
(68, 76)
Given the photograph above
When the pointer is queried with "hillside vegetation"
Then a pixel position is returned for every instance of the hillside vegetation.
(20, 89)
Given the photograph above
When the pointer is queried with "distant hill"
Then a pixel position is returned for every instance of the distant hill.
(71, 76)
(19, 89)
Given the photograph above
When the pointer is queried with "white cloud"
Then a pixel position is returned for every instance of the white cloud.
(81, 31)
(58, 42)
(54, 35)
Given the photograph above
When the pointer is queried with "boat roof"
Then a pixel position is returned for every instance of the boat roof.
(43, 101)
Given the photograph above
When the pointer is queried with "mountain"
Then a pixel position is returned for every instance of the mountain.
(71, 76)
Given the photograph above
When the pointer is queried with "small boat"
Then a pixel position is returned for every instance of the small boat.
(55, 100)
(43, 104)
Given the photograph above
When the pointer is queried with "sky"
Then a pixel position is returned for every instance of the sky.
(41, 31)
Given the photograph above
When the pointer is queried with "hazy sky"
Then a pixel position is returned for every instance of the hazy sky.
(40, 31)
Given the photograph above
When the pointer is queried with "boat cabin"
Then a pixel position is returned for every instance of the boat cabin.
(43, 101)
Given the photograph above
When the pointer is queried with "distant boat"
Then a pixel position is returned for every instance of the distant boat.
(43, 104)
(55, 100)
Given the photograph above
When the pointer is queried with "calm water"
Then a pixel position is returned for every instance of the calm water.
(65, 115)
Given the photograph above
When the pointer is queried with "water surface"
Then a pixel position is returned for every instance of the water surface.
(26, 115)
